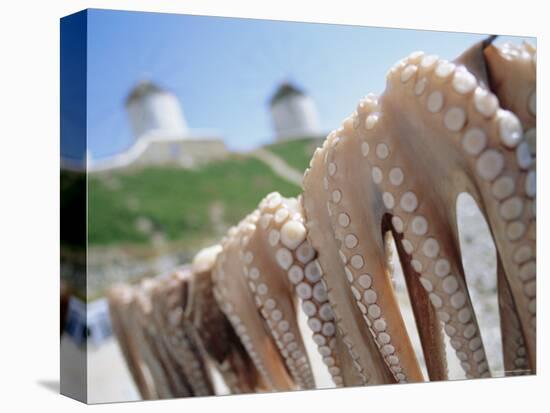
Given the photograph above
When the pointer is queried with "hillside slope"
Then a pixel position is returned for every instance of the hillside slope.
(296, 152)
(137, 207)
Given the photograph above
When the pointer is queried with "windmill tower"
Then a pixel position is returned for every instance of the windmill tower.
(155, 111)
(294, 114)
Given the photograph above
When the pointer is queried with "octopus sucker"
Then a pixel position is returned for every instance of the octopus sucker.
(391, 173)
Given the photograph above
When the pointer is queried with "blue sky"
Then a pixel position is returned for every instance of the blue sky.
(224, 70)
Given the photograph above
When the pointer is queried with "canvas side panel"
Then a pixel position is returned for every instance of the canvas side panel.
(73, 231)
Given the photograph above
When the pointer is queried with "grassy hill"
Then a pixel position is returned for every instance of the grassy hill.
(297, 152)
(133, 207)
(138, 216)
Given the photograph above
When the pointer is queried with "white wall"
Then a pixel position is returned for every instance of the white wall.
(294, 117)
(164, 150)
(157, 112)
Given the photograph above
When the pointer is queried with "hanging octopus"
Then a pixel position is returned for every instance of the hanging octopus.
(459, 133)
(391, 172)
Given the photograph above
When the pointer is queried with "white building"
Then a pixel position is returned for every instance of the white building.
(294, 113)
(154, 110)
(161, 134)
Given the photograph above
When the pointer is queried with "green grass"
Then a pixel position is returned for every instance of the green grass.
(297, 152)
(183, 205)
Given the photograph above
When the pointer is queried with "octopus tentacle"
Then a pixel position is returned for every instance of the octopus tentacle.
(214, 330)
(120, 297)
(513, 343)
(166, 382)
(427, 322)
(318, 201)
(510, 72)
(505, 179)
(233, 294)
(435, 89)
(513, 76)
(358, 230)
(493, 147)
(183, 346)
(452, 100)
(282, 220)
(268, 255)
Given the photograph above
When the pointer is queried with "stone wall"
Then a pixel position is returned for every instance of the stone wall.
(185, 153)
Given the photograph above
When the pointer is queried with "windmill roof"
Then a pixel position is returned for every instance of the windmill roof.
(142, 89)
(285, 89)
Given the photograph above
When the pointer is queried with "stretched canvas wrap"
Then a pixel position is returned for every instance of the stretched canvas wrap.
(253, 206)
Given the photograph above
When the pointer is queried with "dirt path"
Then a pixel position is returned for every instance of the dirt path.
(279, 166)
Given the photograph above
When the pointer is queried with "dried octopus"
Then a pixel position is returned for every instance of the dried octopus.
(392, 171)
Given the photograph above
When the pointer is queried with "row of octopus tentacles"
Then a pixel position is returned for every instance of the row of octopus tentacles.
(391, 173)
